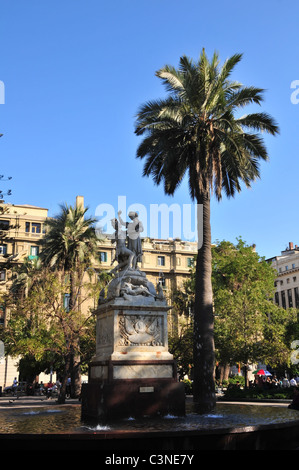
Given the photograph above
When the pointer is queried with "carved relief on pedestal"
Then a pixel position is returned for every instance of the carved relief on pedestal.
(141, 330)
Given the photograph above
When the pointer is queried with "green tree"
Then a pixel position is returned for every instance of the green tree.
(70, 245)
(249, 327)
(43, 331)
(195, 131)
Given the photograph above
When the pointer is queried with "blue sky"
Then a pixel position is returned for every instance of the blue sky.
(76, 72)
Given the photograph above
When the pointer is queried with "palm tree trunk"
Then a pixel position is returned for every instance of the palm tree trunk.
(203, 347)
(75, 368)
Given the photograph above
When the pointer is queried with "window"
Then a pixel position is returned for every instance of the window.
(103, 256)
(296, 292)
(27, 227)
(35, 227)
(2, 314)
(2, 275)
(190, 262)
(290, 299)
(293, 266)
(4, 224)
(3, 250)
(66, 302)
(283, 299)
(34, 250)
(161, 280)
(161, 260)
(276, 298)
(287, 268)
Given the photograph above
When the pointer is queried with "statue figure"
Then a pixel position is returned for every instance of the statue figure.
(124, 256)
(128, 282)
(134, 229)
(130, 289)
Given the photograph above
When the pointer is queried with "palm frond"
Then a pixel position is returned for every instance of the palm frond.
(195, 129)
(259, 122)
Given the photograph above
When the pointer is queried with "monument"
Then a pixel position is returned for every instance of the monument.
(132, 373)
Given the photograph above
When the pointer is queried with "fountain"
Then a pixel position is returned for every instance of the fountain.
(228, 427)
(132, 372)
(133, 402)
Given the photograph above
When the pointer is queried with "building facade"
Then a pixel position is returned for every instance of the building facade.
(287, 281)
(21, 232)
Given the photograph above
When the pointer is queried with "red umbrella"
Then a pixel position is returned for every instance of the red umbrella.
(261, 372)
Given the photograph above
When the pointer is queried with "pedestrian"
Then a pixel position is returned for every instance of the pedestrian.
(285, 382)
(14, 386)
(68, 388)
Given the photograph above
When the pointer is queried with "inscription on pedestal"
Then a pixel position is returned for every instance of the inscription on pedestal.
(146, 389)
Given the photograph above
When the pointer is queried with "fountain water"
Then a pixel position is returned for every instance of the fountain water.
(229, 426)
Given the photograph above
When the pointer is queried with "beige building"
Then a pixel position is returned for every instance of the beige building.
(287, 281)
(167, 262)
(21, 230)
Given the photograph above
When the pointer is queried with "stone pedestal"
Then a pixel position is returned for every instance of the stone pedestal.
(132, 372)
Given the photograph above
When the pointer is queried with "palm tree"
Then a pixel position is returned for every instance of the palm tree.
(195, 130)
(69, 245)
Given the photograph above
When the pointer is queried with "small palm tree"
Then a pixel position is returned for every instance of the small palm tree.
(70, 245)
(195, 131)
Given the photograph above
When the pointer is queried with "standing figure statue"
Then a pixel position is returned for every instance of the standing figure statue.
(124, 256)
(134, 228)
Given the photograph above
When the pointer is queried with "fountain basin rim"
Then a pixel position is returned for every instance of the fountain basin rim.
(124, 434)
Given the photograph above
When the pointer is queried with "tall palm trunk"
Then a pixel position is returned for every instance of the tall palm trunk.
(75, 359)
(204, 351)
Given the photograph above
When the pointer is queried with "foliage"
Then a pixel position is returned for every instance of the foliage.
(70, 239)
(258, 393)
(188, 386)
(249, 327)
(70, 246)
(41, 328)
(195, 130)
(180, 345)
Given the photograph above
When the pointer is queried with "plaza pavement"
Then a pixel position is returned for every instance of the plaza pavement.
(33, 401)
(39, 401)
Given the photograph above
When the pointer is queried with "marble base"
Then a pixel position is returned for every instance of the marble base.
(104, 401)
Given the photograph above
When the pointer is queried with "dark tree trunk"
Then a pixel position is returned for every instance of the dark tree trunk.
(66, 374)
(75, 376)
(223, 372)
(204, 351)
